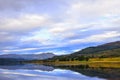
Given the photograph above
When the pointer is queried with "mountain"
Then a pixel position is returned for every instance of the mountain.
(104, 47)
(28, 56)
(107, 50)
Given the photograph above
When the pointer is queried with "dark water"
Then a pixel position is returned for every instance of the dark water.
(41, 72)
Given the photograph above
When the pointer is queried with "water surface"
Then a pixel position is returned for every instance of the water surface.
(41, 72)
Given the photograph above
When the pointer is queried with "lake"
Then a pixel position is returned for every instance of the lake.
(42, 72)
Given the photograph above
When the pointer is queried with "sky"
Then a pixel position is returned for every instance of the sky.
(57, 26)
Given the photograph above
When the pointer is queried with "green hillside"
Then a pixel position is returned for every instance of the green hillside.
(103, 51)
(100, 48)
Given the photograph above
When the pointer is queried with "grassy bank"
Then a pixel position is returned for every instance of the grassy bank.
(115, 59)
(92, 62)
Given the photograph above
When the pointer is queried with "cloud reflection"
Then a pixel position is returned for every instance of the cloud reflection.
(57, 74)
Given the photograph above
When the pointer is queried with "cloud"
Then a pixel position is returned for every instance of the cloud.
(5, 37)
(57, 25)
(89, 10)
(24, 22)
(98, 37)
(20, 50)
(17, 5)
(10, 4)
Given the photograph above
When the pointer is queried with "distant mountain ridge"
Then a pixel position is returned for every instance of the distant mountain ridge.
(28, 56)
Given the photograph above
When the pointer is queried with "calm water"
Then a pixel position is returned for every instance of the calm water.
(40, 72)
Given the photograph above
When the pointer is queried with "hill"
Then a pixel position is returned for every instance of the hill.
(107, 50)
(100, 48)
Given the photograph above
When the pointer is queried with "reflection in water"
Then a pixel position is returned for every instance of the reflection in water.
(102, 72)
(40, 72)
(28, 67)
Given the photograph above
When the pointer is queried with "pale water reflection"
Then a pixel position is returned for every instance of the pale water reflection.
(38, 72)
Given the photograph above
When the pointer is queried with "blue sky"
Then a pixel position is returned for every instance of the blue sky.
(58, 26)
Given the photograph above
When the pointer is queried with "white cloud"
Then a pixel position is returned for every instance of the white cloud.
(24, 22)
(98, 37)
(20, 50)
(83, 16)
(5, 37)
(88, 10)
(79, 17)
